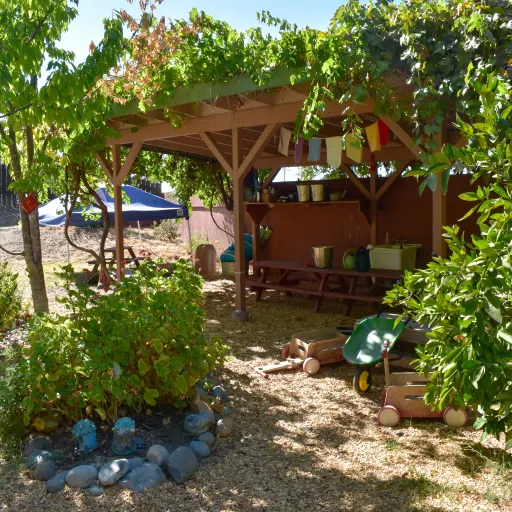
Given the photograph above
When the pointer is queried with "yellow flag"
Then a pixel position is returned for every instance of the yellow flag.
(353, 151)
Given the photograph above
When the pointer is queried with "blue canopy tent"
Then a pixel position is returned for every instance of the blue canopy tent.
(142, 207)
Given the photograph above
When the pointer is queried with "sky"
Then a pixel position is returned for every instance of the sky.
(239, 14)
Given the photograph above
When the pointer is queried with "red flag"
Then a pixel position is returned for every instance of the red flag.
(383, 133)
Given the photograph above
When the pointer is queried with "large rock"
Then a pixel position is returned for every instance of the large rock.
(182, 464)
(95, 490)
(136, 462)
(207, 438)
(57, 483)
(148, 475)
(82, 476)
(157, 454)
(196, 424)
(220, 393)
(36, 445)
(45, 470)
(200, 448)
(224, 427)
(113, 471)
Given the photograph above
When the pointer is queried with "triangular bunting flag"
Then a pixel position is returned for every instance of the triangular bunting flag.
(334, 151)
(284, 141)
(373, 136)
(353, 148)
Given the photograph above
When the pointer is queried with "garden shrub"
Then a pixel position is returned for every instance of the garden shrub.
(11, 301)
(168, 231)
(140, 346)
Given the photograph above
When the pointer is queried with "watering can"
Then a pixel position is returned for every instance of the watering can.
(349, 259)
(363, 259)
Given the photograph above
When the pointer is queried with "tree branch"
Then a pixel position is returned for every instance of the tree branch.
(12, 253)
(37, 29)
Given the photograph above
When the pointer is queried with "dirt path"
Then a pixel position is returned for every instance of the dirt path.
(303, 443)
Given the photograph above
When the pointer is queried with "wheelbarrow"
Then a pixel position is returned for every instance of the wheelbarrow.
(404, 398)
(365, 345)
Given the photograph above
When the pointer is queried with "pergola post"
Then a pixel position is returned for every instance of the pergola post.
(240, 312)
(117, 173)
(438, 211)
(256, 246)
(373, 203)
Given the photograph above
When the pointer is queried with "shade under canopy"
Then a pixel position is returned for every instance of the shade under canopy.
(142, 206)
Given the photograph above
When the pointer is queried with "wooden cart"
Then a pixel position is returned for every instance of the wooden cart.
(309, 349)
(403, 398)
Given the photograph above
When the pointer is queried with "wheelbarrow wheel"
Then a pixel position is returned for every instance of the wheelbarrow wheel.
(362, 380)
(285, 352)
(383, 397)
(388, 416)
(455, 418)
(311, 365)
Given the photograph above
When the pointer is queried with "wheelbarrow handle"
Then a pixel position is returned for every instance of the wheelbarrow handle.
(385, 349)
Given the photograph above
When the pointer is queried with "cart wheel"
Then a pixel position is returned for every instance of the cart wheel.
(285, 352)
(388, 416)
(455, 418)
(311, 365)
(362, 380)
(383, 397)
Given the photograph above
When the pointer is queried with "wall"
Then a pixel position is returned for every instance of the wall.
(298, 227)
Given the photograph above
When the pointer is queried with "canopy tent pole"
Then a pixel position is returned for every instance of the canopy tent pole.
(438, 211)
(189, 236)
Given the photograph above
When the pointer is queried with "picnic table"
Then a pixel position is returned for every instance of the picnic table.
(347, 282)
(111, 261)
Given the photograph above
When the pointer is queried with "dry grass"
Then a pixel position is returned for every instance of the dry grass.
(304, 443)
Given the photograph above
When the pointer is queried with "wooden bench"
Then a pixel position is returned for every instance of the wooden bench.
(111, 261)
(292, 273)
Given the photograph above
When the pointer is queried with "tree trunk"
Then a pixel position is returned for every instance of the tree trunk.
(31, 237)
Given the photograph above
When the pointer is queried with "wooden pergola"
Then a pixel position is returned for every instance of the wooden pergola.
(237, 124)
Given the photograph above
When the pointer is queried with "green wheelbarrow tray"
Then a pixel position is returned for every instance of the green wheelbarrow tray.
(365, 345)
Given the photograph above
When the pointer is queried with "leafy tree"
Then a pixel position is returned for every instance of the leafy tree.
(467, 298)
(56, 116)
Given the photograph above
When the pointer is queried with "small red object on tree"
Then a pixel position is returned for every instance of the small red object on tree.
(30, 204)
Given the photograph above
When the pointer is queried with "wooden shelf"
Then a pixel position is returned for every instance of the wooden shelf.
(257, 211)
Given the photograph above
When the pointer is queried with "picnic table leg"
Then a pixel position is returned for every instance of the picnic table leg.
(263, 279)
(283, 278)
(132, 255)
(319, 299)
(351, 289)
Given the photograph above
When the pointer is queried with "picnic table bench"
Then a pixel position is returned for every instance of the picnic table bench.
(292, 273)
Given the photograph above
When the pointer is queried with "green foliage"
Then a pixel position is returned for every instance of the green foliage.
(467, 298)
(168, 231)
(11, 301)
(140, 346)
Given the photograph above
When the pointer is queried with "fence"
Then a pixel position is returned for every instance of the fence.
(7, 197)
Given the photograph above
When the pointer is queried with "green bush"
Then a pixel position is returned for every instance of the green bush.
(140, 346)
(168, 231)
(11, 301)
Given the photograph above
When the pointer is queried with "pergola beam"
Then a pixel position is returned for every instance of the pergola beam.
(355, 180)
(260, 144)
(217, 153)
(391, 179)
(404, 137)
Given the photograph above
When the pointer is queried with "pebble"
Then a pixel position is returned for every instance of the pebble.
(182, 464)
(139, 442)
(36, 457)
(95, 490)
(221, 393)
(113, 471)
(157, 454)
(227, 411)
(57, 483)
(224, 427)
(136, 462)
(36, 445)
(148, 475)
(45, 470)
(200, 448)
(207, 438)
(82, 476)
(196, 424)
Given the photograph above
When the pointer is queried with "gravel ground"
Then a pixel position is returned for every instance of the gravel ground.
(303, 443)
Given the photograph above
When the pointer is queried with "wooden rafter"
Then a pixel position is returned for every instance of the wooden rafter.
(404, 137)
(355, 180)
(262, 141)
(105, 166)
(128, 163)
